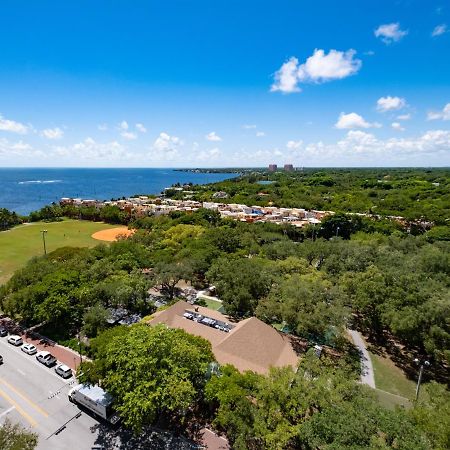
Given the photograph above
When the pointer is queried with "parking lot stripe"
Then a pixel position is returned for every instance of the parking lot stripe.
(23, 397)
(24, 414)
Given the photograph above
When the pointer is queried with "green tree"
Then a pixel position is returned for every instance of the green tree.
(151, 371)
(14, 437)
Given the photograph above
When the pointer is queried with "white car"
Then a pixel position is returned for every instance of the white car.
(63, 371)
(46, 358)
(29, 349)
(15, 340)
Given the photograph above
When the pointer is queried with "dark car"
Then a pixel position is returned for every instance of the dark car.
(1, 359)
(3, 332)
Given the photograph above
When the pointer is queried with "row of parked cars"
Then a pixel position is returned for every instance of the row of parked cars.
(43, 357)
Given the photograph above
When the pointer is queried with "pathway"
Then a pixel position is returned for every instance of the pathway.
(367, 375)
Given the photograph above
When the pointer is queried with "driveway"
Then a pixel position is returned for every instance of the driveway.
(367, 375)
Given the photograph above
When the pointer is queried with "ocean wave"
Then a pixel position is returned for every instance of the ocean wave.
(40, 181)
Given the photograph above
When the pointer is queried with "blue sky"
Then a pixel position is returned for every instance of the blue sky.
(225, 83)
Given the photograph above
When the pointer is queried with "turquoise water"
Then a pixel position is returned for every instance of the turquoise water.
(26, 190)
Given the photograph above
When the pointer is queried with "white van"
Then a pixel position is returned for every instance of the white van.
(15, 340)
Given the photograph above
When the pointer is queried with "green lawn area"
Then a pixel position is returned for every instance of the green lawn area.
(21, 243)
(212, 304)
(392, 380)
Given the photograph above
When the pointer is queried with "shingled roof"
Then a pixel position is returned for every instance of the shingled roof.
(250, 345)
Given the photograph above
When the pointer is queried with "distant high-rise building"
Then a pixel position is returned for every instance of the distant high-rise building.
(288, 167)
(273, 167)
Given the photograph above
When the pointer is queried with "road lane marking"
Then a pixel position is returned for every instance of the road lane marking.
(21, 372)
(7, 411)
(22, 412)
(23, 397)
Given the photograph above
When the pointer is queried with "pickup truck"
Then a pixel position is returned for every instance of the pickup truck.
(96, 400)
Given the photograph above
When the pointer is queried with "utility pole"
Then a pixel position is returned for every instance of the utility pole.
(423, 364)
(43, 240)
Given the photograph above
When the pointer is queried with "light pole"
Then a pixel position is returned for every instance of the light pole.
(43, 240)
(337, 231)
(423, 364)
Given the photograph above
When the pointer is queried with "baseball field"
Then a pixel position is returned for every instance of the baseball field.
(23, 242)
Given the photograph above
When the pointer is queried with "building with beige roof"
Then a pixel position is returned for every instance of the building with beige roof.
(248, 345)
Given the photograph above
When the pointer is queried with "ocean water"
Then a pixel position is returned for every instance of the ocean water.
(26, 190)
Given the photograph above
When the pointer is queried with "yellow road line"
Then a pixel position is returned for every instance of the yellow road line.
(19, 408)
(32, 404)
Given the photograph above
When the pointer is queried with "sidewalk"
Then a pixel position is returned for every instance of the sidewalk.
(367, 375)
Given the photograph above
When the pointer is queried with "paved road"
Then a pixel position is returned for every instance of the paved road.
(367, 375)
(36, 397)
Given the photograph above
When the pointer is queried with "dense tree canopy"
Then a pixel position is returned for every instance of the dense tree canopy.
(15, 437)
(151, 371)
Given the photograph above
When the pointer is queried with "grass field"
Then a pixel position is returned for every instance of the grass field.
(21, 243)
(399, 390)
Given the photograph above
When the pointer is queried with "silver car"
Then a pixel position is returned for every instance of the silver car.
(15, 340)
(29, 349)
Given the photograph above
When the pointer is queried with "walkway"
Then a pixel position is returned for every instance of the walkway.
(367, 375)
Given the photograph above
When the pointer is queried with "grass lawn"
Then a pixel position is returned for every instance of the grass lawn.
(21, 243)
(390, 378)
(212, 304)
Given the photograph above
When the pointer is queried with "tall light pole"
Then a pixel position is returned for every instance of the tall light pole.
(337, 231)
(423, 364)
(43, 240)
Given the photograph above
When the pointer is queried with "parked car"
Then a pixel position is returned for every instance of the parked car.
(1, 359)
(46, 358)
(29, 349)
(15, 340)
(63, 371)
(3, 332)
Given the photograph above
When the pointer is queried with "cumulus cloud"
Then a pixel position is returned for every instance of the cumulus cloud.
(213, 137)
(165, 147)
(141, 128)
(404, 117)
(260, 134)
(390, 103)
(440, 115)
(353, 120)
(90, 149)
(318, 68)
(123, 125)
(439, 30)
(209, 155)
(248, 127)
(12, 126)
(390, 32)
(52, 133)
(102, 127)
(129, 135)
(294, 145)
(20, 149)
(397, 126)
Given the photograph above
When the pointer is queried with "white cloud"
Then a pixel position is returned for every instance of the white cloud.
(12, 126)
(390, 32)
(213, 137)
(91, 150)
(440, 115)
(439, 30)
(318, 68)
(52, 133)
(353, 120)
(20, 148)
(123, 125)
(260, 134)
(141, 128)
(102, 127)
(286, 78)
(397, 126)
(208, 155)
(165, 142)
(128, 135)
(294, 145)
(404, 117)
(390, 103)
(248, 127)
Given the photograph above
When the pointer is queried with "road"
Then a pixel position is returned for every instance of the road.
(36, 397)
(367, 375)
